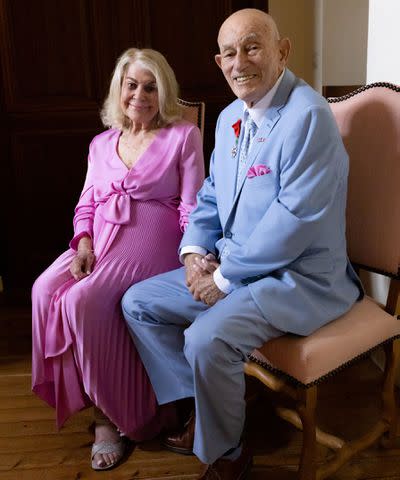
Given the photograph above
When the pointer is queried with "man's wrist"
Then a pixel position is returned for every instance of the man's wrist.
(221, 282)
(188, 257)
(190, 249)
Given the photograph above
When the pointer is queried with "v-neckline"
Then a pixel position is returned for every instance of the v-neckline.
(129, 170)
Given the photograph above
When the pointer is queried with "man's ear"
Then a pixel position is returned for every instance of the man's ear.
(218, 59)
(284, 49)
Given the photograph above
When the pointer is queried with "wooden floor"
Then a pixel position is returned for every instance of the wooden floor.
(32, 449)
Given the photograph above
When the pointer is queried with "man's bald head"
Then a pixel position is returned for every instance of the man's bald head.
(251, 16)
(252, 55)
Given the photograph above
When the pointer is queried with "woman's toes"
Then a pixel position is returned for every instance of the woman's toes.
(109, 435)
(99, 460)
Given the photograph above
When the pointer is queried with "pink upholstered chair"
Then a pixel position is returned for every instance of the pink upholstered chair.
(369, 122)
(193, 112)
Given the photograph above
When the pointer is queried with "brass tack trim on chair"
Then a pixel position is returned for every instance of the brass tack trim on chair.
(198, 105)
(389, 85)
(320, 380)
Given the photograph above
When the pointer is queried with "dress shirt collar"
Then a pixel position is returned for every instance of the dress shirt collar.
(258, 110)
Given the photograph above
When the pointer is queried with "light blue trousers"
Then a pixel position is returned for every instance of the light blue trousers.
(192, 350)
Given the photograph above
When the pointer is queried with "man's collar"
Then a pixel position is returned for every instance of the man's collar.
(257, 112)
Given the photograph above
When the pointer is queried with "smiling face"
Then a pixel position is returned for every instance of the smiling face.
(139, 95)
(251, 55)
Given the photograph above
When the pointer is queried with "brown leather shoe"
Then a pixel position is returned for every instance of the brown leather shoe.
(229, 469)
(182, 441)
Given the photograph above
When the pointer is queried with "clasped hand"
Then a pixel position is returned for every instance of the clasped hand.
(200, 280)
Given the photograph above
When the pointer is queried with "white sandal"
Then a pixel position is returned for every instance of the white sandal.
(108, 447)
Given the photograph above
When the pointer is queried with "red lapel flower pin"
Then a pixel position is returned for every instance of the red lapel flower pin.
(236, 128)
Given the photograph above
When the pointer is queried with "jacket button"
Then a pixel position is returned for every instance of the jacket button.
(228, 234)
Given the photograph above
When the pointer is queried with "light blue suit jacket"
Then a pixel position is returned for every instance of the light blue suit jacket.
(282, 233)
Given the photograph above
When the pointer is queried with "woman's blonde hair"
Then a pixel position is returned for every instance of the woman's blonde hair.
(169, 110)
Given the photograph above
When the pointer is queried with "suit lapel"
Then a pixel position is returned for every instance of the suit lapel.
(271, 118)
(260, 139)
(230, 170)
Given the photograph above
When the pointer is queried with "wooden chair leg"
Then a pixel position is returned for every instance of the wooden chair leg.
(306, 405)
(390, 410)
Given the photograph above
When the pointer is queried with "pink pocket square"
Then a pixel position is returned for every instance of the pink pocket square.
(258, 170)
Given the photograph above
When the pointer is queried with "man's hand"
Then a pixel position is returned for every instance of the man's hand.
(82, 264)
(193, 271)
(204, 288)
(208, 263)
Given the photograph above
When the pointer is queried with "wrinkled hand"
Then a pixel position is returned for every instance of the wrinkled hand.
(192, 269)
(204, 288)
(208, 263)
(82, 264)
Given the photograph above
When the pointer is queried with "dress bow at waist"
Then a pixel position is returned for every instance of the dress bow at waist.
(116, 208)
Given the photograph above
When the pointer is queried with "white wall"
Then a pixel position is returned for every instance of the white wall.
(384, 41)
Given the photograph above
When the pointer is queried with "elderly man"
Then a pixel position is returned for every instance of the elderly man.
(264, 252)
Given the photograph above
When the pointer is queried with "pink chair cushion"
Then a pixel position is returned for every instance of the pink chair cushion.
(308, 359)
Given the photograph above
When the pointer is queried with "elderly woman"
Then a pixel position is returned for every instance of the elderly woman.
(141, 183)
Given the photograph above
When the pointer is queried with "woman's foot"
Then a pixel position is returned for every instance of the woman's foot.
(108, 448)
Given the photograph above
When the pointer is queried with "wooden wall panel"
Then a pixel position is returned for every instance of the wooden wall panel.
(48, 171)
(117, 26)
(46, 59)
(56, 63)
(192, 43)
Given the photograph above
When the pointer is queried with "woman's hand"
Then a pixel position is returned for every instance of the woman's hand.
(82, 264)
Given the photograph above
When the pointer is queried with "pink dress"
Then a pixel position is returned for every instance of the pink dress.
(82, 351)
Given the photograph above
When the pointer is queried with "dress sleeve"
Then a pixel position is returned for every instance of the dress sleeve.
(205, 229)
(84, 210)
(191, 171)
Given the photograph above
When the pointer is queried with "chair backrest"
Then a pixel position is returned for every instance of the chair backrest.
(193, 112)
(369, 122)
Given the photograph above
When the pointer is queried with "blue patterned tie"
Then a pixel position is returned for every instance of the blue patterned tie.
(250, 129)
